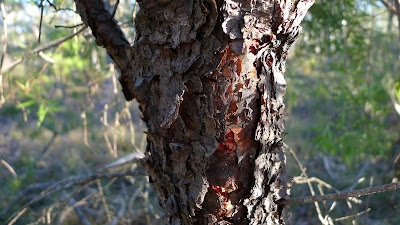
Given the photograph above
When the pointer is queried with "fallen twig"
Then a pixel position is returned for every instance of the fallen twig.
(70, 182)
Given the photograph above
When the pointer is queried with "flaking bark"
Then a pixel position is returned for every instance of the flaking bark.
(209, 79)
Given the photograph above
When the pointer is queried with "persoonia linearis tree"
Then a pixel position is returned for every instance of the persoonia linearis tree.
(208, 75)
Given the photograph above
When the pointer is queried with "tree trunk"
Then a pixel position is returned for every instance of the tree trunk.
(208, 75)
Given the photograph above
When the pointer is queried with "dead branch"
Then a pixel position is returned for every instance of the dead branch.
(69, 26)
(74, 206)
(352, 216)
(302, 180)
(82, 219)
(342, 195)
(103, 201)
(371, 183)
(56, 42)
(16, 217)
(120, 211)
(126, 160)
(71, 182)
(41, 19)
(52, 5)
(64, 202)
(47, 147)
(320, 217)
(9, 168)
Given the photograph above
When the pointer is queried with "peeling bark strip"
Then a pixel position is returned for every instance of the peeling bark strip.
(208, 75)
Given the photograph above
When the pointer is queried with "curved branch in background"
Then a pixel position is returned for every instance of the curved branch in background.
(41, 48)
(54, 43)
(3, 53)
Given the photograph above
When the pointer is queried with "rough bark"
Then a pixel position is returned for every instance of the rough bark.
(208, 75)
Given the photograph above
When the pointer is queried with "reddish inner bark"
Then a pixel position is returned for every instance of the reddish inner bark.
(227, 172)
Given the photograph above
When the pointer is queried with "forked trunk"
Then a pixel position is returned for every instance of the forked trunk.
(209, 79)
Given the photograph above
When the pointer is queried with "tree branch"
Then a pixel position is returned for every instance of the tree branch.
(343, 195)
(389, 6)
(66, 26)
(41, 48)
(397, 6)
(56, 42)
(105, 29)
(4, 51)
(109, 35)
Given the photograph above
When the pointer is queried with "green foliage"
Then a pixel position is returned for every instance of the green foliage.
(46, 98)
(337, 72)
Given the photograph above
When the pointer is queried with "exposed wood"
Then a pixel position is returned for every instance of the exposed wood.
(209, 79)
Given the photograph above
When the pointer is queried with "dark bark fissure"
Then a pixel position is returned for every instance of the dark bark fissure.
(209, 79)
